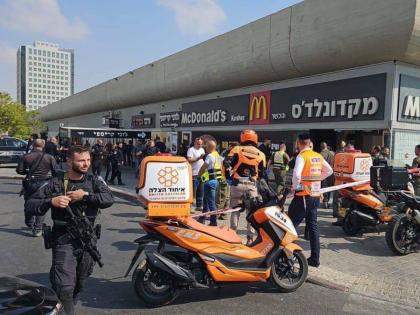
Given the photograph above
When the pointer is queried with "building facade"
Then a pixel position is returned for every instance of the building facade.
(45, 74)
(301, 69)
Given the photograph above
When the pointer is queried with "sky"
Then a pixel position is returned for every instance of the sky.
(112, 37)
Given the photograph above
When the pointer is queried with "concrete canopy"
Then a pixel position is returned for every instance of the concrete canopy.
(315, 36)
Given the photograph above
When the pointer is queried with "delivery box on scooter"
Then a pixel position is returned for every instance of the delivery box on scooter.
(352, 166)
(165, 186)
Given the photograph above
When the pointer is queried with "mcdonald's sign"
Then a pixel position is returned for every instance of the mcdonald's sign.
(259, 108)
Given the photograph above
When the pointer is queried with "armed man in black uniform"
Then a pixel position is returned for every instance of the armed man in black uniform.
(39, 167)
(69, 193)
(97, 154)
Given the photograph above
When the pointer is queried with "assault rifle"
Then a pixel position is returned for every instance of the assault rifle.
(80, 228)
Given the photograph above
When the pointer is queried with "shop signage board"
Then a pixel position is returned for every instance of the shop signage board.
(113, 123)
(101, 133)
(170, 119)
(143, 121)
(409, 99)
(355, 99)
(222, 111)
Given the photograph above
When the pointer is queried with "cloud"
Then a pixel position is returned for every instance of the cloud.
(40, 16)
(197, 17)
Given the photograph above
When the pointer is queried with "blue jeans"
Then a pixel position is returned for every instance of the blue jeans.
(298, 212)
(198, 191)
(209, 199)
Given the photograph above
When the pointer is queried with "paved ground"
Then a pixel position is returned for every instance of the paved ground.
(362, 265)
(108, 293)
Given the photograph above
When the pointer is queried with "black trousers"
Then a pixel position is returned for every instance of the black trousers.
(71, 266)
(31, 221)
(307, 209)
(116, 172)
(108, 169)
(96, 167)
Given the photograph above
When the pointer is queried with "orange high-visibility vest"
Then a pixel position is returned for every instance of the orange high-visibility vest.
(248, 156)
(311, 173)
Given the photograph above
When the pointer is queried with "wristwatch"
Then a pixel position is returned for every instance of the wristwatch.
(86, 196)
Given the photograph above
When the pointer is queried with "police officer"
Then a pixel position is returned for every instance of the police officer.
(416, 164)
(248, 164)
(280, 160)
(310, 169)
(38, 167)
(210, 174)
(97, 154)
(71, 265)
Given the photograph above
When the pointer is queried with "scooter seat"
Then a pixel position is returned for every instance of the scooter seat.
(224, 233)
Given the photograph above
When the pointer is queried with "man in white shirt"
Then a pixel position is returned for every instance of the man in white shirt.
(195, 156)
(310, 169)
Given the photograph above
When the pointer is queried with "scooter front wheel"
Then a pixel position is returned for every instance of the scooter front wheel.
(153, 287)
(288, 274)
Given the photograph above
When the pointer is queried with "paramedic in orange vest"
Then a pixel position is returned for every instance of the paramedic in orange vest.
(247, 164)
(310, 169)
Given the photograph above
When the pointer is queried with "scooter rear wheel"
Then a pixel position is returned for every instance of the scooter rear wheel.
(287, 275)
(153, 287)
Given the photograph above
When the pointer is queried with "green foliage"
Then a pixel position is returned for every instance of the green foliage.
(15, 120)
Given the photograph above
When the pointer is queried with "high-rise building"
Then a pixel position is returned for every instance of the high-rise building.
(45, 74)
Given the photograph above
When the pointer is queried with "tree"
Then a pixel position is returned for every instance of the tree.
(15, 120)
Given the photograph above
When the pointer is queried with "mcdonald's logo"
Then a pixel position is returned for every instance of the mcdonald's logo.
(259, 108)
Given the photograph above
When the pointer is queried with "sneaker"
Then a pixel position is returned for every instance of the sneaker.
(313, 263)
(137, 190)
(36, 233)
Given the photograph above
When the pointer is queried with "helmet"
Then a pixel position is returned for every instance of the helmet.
(249, 135)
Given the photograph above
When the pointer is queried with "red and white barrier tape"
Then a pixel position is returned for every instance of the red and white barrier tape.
(322, 191)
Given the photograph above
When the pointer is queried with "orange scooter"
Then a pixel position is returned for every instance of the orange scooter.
(359, 206)
(200, 256)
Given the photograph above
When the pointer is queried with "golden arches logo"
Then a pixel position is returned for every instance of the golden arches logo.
(258, 108)
(168, 176)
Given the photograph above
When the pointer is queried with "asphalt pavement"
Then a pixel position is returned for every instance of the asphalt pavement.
(107, 292)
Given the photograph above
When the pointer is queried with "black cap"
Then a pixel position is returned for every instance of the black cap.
(304, 137)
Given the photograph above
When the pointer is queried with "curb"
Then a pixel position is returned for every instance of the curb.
(327, 284)
(120, 193)
(12, 177)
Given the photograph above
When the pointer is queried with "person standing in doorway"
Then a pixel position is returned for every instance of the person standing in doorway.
(117, 161)
(329, 181)
(310, 169)
(265, 148)
(108, 159)
(210, 174)
(97, 152)
(280, 162)
(160, 144)
(195, 156)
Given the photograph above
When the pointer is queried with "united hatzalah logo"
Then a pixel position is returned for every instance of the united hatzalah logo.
(168, 176)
